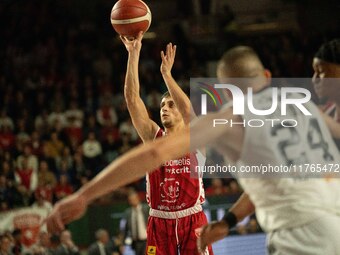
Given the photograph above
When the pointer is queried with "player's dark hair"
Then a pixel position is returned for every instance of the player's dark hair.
(329, 52)
(166, 94)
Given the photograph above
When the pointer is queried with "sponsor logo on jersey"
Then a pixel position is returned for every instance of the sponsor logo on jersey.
(182, 170)
(151, 250)
(169, 190)
(178, 162)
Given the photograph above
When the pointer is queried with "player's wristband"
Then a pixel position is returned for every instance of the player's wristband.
(230, 219)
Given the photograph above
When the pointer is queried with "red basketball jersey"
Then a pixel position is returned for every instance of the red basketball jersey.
(171, 187)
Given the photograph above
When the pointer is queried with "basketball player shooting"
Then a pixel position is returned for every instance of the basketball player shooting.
(301, 217)
(174, 197)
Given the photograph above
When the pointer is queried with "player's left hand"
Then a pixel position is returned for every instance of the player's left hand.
(211, 233)
(65, 211)
(168, 58)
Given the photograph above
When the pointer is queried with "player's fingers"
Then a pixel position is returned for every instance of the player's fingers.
(122, 38)
(51, 225)
(59, 223)
(174, 50)
(168, 50)
(202, 238)
(54, 223)
(140, 36)
(162, 56)
(171, 51)
(125, 39)
(200, 245)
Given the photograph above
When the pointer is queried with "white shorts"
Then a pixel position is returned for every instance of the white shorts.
(320, 237)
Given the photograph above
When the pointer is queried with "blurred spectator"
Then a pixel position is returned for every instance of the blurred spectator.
(128, 128)
(4, 206)
(66, 170)
(106, 114)
(101, 246)
(45, 176)
(67, 246)
(74, 117)
(48, 157)
(91, 126)
(110, 149)
(7, 138)
(55, 145)
(43, 246)
(5, 245)
(32, 160)
(41, 123)
(110, 129)
(36, 144)
(136, 218)
(7, 170)
(79, 166)
(65, 157)
(217, 188)
(26, 176)
(22, 133)
(43, 198)
(92, 151)
(5, 120)
(63, 188)
(57, 116)
(4, 190)
(17, 247)
(124, 144)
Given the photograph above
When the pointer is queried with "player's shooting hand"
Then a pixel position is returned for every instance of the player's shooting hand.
(211, 233)
(64, 212)
(133, 45)
(168, 58)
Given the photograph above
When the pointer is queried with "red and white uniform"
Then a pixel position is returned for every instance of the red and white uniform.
(175, 196)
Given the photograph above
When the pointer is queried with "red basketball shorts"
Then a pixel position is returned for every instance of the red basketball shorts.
(175, 236)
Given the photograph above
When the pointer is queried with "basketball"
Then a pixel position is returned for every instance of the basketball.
(128, 17)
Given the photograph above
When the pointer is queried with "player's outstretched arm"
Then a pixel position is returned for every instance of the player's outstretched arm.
(145, 127)
(218, 230)
(181, 100)
(128, 168)
(333, 126)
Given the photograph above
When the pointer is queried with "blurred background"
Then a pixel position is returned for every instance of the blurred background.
(63, 116)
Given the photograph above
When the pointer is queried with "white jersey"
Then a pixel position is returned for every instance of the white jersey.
(289, 202)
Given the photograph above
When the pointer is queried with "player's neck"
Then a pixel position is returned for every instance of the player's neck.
(174, 129)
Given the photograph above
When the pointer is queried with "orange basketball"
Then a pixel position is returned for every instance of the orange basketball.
(128, 17)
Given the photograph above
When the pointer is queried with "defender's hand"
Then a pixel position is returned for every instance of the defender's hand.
(211, 233)
(64, 212)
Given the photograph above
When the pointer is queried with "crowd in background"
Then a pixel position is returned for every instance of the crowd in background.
(11, 244)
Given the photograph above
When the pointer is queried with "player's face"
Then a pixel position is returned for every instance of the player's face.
(326, 88)
(170, 116)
